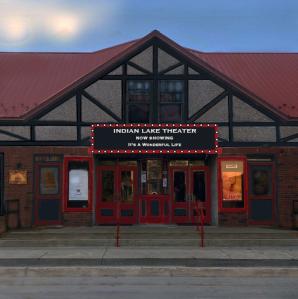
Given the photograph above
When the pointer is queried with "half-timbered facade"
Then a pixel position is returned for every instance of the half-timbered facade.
(49, 101)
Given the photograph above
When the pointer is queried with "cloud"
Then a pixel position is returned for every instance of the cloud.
(64, 25)
(15, 28)
(65, 20)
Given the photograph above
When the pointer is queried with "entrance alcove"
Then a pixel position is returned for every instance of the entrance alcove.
(164, 189)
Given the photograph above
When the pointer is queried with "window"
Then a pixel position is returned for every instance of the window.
(261, 192)
(108, 185)
(154, 177)
(139, 101)
(171, 100)
(180, 186)
(233, 187)
(49, 180)
(78, 184)
(168, 106)
(261, 180)
(127, 186)
(198, 186)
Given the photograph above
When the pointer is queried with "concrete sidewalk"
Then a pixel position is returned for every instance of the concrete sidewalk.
(150, 256)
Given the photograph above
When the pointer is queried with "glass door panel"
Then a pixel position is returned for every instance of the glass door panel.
(260, 181)
(127, 189)
(127, 186)
(180, 194)
(199, 190)
(108, 185)
(198, 186)
(154, 177)
(48, 184)
(180, 186)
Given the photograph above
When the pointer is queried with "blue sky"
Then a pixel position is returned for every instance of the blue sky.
(210, 25)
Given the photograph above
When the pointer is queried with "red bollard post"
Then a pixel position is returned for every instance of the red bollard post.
(202, 227)
(200, 223)
(117, 227)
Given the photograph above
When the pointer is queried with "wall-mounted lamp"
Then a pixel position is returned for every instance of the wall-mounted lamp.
(19, 165)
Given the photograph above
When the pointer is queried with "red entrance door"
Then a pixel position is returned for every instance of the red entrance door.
(116, 194)
(189, 185)
(154, 197)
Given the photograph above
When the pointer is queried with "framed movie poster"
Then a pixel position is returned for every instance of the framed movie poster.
(78, 185)
(17, 177)
(233, 184)
(232, 172)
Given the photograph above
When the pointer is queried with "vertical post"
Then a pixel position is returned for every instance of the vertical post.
(202, 226)
(117, 225)
(118, 198)
(201, 222)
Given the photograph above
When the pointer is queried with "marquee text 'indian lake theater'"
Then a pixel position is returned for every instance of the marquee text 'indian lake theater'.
(144, 131)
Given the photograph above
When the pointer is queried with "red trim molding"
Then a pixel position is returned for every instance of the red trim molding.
(65, 183)
(244, 184)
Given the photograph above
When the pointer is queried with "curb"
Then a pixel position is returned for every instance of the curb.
(149, 262)
(8, 272)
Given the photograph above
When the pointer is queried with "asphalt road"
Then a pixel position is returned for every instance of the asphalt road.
(147, 287)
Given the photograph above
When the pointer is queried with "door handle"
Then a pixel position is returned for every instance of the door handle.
(189, 197)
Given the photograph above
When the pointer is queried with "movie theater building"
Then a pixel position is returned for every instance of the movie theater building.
(143, 131)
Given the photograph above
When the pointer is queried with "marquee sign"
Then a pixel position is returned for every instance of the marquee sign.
(154, 139)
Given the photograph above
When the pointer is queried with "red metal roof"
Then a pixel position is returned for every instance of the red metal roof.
(28, 81)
